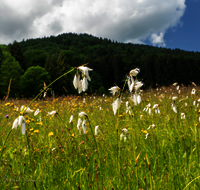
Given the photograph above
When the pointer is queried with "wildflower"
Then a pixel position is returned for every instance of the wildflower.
(173, 107)
(7, 116)
(84, 84)
(128, 108)
(114, 89)
(84, 71)
(193, 91)
(84, 127)
(36, 131)
(147, 134)
(50, 134)
(156, 108)
(134, 72)
(81, 114)
(76, 81)
(79, 123)
(182, 115)
(36, 112)
(124, 134)
(80, 87)
(97, 130)
(71, 119)
(116, 105)
(23, 128)
(52, 113)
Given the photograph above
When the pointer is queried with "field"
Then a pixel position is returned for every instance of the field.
(137, 148)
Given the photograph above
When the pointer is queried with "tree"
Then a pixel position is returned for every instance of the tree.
(16, 52)
(33, 81)
(10, 68)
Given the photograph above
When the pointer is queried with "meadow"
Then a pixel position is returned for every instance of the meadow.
(140, 147)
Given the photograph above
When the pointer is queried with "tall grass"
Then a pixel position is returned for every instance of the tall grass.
(167, 159)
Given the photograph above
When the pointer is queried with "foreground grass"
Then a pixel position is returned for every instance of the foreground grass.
(60, 157)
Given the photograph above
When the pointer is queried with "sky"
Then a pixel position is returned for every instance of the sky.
(163, 23)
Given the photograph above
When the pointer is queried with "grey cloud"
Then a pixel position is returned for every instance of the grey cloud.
(55, 26)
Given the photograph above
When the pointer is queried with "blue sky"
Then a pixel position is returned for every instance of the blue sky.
(186, 35)
(165, 23)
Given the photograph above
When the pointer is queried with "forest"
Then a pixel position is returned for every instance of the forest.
(26, 65)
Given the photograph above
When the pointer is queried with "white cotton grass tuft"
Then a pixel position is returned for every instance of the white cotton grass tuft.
(124, 134)
(37, 112)
(114, 89)
(76, 81)
(84, 84)
(79, 124)
(20, 121)
(116, 104)
(97, 130)
(52, 113)
(71, 119)
(23, 127)
(82, 114)
(134, 72)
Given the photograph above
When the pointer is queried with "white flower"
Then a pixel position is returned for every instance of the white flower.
(174, 108)
(79, 124)
(15, 123)
(23, 128)
(114, 89)
(84, 84)
(81, 114)
(76, 81)
(193, 91)
(52, 113)
(146, 135)
(116, 105)
(80, 87)
(124, 134)
(84, 127)
(97, 130)
(182, 115)
(36, 112)
(134, 72)
(84, 71)
(71, 119)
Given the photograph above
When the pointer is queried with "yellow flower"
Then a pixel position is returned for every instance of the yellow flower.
(72, 134)
(39, 123)
(7, 104)
(36, 131)
(50, 134)
(31, 129)
(144, 131)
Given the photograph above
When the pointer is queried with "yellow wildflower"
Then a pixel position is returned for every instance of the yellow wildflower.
(50, 134)
(36, 131)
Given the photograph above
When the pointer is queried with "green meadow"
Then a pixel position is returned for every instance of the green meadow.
(133, 149)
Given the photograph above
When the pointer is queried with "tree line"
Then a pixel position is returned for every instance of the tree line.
(30, 63)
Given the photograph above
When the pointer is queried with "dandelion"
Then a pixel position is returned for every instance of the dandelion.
(36, 131)
(114, 89)
(50, 134)
(116, 104)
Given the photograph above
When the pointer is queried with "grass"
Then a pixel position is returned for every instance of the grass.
(57, 156)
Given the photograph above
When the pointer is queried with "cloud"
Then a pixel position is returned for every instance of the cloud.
(122, 20)
(157, 39)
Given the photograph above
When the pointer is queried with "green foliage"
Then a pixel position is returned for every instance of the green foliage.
(33, 81)
(10, 69)
(15, 50)
(35, 58)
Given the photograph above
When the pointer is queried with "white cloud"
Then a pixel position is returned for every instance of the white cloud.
(121, 20)
(157, 39)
